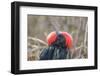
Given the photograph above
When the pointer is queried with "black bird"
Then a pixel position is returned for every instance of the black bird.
(59, 45)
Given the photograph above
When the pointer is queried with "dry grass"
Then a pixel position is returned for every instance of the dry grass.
(40, 26)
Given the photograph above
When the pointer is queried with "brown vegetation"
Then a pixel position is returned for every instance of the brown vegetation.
(40, 26)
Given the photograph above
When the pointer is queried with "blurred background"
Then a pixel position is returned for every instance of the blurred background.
(40, 26)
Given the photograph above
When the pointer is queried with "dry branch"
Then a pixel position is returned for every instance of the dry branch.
(54, 23)
(77, 34)
(85, 36)
(38, 40)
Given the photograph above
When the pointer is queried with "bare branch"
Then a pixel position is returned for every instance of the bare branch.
(36, 39)
(54, 23)
(77, 34)
(85, 36)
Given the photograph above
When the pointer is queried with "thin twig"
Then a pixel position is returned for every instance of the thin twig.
(36, 39)
(54, 23)
(77, 34)
(85, 36)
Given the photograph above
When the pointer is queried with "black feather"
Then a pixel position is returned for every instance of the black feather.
(57, 50)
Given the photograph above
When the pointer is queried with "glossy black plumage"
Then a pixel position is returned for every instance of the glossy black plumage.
(57, 50)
